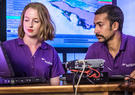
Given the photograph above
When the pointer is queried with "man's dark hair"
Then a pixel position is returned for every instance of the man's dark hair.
(114, 13)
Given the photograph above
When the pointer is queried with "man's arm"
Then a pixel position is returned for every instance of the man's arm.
(132, 75)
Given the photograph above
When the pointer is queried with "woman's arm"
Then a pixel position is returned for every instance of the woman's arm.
(55, 81)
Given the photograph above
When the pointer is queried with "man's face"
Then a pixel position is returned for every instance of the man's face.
(103, 30)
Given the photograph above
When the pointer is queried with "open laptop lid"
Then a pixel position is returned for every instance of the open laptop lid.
(5, 66)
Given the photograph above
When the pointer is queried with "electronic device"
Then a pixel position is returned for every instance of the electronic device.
(73, 20)
(78, 64)
(73, 77)
(91, 69)
(22, 80)
(7, 75)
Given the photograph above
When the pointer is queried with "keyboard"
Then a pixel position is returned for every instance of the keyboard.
(22, 80)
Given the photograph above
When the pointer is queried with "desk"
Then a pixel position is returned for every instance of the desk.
(99, 89)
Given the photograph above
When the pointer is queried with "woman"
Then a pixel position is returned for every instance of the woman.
(30, 55)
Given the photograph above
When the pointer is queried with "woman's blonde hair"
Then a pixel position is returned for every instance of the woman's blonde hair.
(46, 31)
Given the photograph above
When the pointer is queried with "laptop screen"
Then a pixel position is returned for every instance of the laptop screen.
(5, 70)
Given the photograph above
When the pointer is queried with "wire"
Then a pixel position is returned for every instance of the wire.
(90, 81)
(89, 72)
(75, 74)
(94, 74)
(80, 78)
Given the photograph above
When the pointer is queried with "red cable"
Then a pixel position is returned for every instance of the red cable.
(94, 75)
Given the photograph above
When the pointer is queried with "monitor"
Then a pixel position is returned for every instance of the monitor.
(2, 20)
(73, 20)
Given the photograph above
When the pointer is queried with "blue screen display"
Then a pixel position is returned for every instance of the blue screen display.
(73, 20)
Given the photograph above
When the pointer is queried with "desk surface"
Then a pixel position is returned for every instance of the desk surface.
(64, 88)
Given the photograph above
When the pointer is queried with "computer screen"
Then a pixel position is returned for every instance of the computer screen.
(73, 20)
(2, 20)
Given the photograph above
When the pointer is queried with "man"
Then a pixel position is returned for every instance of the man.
(116, 48)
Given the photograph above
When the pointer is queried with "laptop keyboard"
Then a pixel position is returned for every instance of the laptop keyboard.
(22, 80)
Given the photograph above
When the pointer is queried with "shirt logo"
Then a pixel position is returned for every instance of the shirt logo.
(128, 65)
(46, 61)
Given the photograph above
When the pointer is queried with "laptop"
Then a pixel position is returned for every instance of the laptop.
(7, 75)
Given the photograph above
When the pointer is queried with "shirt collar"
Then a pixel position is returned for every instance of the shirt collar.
(123, 42)
(43, 44)
(20, 42)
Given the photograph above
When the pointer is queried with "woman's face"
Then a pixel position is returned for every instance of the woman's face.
(31, 23)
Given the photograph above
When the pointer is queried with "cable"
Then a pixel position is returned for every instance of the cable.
(80, 78)
(90, 81)
(75, 74)
(94, 74)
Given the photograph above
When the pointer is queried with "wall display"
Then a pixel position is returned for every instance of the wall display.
(73, 20)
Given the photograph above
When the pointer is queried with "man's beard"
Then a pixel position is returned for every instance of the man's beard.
(105, 39)
(97, 35)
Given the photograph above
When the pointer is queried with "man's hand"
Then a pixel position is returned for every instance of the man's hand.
(131, 76)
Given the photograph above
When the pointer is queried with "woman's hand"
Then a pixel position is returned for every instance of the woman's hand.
(55, 81)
